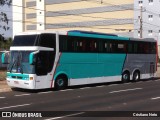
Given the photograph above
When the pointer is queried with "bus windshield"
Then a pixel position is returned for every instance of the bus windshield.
(19, 62)
(25, 40)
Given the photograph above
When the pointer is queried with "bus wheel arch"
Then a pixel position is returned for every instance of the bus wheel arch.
(61, 81)
(136, 75)
(125, 76)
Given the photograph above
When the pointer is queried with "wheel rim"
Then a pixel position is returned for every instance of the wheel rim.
(125, 77)
(136, 76)
(60, 82)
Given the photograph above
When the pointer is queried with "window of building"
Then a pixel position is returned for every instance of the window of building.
(139, 33)
(150, 17)
(150, 32)
(150, 2)
(140, 2)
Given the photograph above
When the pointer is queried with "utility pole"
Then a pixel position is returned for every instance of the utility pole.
(141, 23)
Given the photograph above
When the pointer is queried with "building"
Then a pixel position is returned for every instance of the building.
(108, 16)
(148, 10)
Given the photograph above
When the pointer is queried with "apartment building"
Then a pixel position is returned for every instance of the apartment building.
(108, 16)
(150, 18)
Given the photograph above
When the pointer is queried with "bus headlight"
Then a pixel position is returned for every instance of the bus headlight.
(31, 78)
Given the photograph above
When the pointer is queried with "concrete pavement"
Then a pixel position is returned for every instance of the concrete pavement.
(4, 87)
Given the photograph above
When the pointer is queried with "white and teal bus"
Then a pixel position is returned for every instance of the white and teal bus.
(39, 60)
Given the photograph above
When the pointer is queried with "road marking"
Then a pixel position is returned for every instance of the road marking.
(14, 106)
(155, 98)
(85, 88)
(21, 95)
(100, 86)
(45, 92)
(126, 90)
(65, 116)
(113, 85)
(2, 97)
(66, 90)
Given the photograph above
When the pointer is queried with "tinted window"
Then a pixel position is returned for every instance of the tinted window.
(96, 45)
(47, 40)
(25, 40)
(44, 62)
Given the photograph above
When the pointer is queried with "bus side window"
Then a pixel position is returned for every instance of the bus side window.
(47, 40)
(107, 47)
(42, 63)
(63, 43)
(100, 46)
(93, 46)
(135, 49)
(152, 48)
(121, 48)
(146, 48)
(82, 46)
(130, 48)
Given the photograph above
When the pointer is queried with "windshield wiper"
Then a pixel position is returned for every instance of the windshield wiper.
(19, 63)
(21, 68)
(12, 65)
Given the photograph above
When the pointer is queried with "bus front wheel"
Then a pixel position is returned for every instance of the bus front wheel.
(61, 83)
(125, 77)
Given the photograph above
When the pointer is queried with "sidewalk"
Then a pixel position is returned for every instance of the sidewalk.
(5, 88)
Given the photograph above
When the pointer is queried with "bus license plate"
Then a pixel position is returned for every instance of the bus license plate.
(16, 82)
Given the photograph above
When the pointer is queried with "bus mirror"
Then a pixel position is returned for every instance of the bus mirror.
(32, 57)
(5, 58)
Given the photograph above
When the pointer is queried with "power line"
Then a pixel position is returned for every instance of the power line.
(68, 14)
(62, 13)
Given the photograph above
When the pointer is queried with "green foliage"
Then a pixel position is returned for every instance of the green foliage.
(5, 43)
(3, 16)
(5, 2)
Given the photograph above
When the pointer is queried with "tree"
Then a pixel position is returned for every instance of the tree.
(3, 16)
(5, 43)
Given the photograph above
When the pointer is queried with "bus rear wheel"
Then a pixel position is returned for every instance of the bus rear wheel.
(125, 77)
(136, 76)
(61, 83)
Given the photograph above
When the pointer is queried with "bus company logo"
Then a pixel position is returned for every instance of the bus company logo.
(6, 114)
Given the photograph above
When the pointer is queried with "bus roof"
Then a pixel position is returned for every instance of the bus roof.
(144, 39)
(41, 32)
(96, 35)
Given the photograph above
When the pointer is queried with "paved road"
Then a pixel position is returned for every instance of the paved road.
(139, 96)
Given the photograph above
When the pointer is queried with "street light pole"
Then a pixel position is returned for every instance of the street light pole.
(141, 23)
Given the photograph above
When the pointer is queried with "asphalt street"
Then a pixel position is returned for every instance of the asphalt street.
(89, 102)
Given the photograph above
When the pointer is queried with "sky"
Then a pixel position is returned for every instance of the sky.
(8, 11)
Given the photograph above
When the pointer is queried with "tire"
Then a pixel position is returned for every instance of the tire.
(136, 76)
(60, 83)
(125, 77)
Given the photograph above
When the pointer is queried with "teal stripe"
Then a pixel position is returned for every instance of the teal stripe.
(97, 36)
(84, 65)
(18, 76)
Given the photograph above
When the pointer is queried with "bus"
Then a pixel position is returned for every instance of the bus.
(39, 60)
